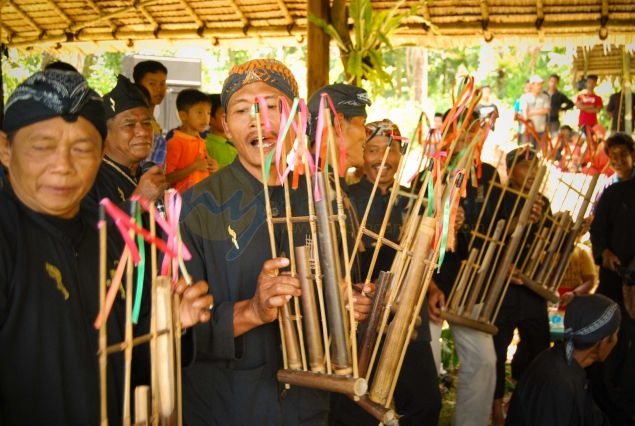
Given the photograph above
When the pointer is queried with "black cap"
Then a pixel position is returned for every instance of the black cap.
(124, 96)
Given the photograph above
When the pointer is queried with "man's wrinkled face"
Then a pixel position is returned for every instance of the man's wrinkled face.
(130, 136)
(53, 164)
(156, 83)
(240, 124)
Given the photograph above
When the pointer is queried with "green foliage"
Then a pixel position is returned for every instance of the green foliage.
(449, 357)
(101, 70)
(16, 69)
(364, 57)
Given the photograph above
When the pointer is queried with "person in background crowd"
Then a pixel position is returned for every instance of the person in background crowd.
(569, 154)
(554, 390)
(153, 75)
(218, 147)
(350, 102)
(187, 162)
(518, 112)
(613, 243)
(477, 371)
(558, 102)
(520, 308)
(417, 397)
(535, 107)
(589, 103)
(486, 107)
(49, 257)
(616, 110)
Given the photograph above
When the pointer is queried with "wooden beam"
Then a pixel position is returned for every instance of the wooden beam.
(199, 22)
(149, 17)
(26, 17)
(59, 11)
(317, 74)
(238, 11)
(108, 16)
(285, 11)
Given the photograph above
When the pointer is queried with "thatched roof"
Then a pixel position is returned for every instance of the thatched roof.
(81, 23)
(604, 61)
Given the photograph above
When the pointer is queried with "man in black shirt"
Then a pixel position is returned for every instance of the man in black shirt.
(559, 102)
(49, 258)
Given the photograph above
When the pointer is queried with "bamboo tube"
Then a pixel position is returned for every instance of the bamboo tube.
(356, 386)
(370, 333)
(315, 267)
(290, 348)
(538, 249)
(176, 324)
(397, 331)
(462, 279)
(165, 350)
(349, 332)
(563, 222)
(556, 277)
(154, 407)
(128, 336)
(296, 303)
(482, 271)
(141, 404)
(501, 278)
(310, 312)
(385, 415)
(103, 337)
(335, 317)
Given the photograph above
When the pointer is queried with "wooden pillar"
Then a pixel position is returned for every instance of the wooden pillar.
(317, 48)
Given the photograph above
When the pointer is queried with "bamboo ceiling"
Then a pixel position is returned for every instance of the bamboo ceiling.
(604, 61)
(85, 23)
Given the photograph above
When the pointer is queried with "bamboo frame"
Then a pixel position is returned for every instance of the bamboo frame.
(161, 402)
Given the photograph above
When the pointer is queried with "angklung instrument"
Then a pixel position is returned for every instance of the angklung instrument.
(159, 403)
(504, 244)
(318, 329)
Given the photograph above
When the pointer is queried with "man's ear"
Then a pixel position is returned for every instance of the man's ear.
(5, 150)
(226, 127)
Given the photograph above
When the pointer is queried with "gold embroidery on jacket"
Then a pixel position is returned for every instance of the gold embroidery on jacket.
(55, 273)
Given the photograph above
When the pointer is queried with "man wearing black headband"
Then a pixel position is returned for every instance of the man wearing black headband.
(554, 390)
(49, 292)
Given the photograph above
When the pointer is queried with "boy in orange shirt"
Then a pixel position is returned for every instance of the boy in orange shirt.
(187, 162)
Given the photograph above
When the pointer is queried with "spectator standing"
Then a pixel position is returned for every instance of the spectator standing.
(616, 110)
(558, 101)
(187, 161)
(535, 107)
(589, 103)
(217, 144)
(153, 75)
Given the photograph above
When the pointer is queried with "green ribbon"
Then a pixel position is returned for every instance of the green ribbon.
(141, 268)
